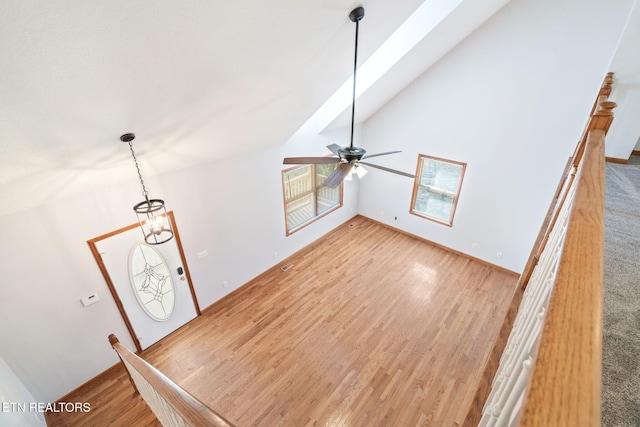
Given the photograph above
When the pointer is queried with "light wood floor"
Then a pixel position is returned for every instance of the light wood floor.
(368, 327)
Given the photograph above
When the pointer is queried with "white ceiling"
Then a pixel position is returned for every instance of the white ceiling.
(195, 80)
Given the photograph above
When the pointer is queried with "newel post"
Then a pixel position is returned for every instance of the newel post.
(115, 343)
(603, 116)
(607, 85)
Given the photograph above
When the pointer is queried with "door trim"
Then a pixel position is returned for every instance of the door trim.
(112, 289)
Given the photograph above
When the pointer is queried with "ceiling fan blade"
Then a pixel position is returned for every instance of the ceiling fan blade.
(309, 160)
(334, 148)
(338, 175)
(380, 154)
(388, 169)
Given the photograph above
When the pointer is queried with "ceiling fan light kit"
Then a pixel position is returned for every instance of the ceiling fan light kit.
(349, 158)
(151, 213)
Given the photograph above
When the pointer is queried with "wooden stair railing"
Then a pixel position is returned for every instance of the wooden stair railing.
(549, 370)
(565, 384)
(172, 405)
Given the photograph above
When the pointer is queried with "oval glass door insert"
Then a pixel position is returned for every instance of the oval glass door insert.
(151, 282)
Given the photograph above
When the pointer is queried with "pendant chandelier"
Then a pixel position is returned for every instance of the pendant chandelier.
(151, 213)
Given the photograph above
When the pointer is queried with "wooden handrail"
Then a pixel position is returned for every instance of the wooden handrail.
(549, 369)
(565, 384)
(564, 388)
(189, 410)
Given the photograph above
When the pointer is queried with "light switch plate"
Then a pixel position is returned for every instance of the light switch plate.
(90, 299)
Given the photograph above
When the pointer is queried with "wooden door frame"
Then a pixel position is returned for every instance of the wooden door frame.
(110, 285)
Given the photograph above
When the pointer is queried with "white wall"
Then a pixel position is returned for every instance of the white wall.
(511, 101)
(17, 403)
(624, 135)
(232, 208)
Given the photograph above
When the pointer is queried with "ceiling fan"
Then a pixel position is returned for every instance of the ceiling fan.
(349, 158)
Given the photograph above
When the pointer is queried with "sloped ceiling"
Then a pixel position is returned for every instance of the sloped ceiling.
(195, 80)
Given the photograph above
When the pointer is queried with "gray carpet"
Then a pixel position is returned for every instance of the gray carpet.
(621, 331)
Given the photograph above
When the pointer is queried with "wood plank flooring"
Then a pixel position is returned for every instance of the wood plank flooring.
(368, 327)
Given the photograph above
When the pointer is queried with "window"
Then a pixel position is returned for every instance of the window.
(305, 198)
(436, 188)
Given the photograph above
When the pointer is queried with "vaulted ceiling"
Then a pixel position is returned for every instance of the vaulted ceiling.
(196, 81)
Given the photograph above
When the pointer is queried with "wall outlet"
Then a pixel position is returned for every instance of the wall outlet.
(203, 254)
(499, 254)
(474, 245)
(225, 283)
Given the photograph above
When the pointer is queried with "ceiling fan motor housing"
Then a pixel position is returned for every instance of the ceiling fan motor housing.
(351, 153)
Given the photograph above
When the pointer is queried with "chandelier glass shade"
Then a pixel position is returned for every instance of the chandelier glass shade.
(152, 213)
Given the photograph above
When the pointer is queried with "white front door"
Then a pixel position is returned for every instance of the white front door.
(150, 282)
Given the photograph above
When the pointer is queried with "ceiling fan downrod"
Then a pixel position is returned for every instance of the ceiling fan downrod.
(349, 158)
(356, 16)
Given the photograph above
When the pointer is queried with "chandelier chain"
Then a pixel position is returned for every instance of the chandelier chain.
(135, 160)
